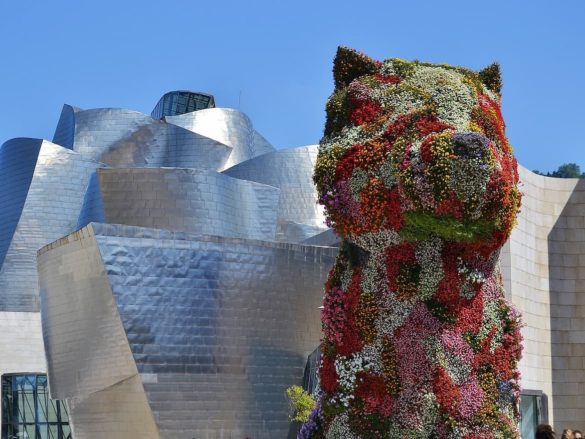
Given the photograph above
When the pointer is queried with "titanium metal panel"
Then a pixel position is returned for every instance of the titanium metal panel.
(290, 170)
(18, 158)
(182, 200)
(89, 361)
(229, 127)
(118, 412)
(50, 211)
(218, 327)
(328, 238)
(125, 138)
(65, 131)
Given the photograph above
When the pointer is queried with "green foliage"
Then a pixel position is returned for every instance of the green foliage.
(567, 170)
(419, 226)
(338, 108)
(350, 64)
(325, 167)
(300, 402)
(492, 78)
(440, 311)
(403, 68)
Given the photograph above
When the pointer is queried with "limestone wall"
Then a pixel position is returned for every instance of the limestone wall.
(544, 274)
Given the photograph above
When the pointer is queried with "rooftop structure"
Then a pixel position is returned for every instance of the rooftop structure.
(178, 102)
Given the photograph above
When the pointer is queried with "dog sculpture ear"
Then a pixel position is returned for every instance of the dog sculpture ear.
(492, 78)
(350, 64)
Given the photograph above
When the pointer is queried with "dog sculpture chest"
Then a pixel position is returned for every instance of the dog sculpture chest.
(418, 178)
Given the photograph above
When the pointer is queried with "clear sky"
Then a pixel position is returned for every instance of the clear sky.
(273, 59)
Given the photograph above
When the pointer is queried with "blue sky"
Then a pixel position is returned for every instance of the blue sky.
(273, 59)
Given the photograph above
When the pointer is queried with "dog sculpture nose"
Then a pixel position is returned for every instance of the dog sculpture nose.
(470, 145)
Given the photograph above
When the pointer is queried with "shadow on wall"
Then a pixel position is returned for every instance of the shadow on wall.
(270, 372)
(566, 256)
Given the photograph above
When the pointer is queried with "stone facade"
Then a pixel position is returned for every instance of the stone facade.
(544, 270)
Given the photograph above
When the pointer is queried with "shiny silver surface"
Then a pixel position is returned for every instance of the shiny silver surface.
(125, 138)
(88, 356)
(290, 170)
(182, 317)
(328, 238)
(42, 191)
(65, 130)
(183, 200)
(229, 127)
(218, 327)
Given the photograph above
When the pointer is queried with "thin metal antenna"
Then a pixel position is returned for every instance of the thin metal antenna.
(240, 100)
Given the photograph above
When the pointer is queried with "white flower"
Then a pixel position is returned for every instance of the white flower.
(428, 256)
(454, 99)
(339, 428)
(347, 369)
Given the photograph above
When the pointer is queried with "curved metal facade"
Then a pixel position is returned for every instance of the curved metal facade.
(217, 327)
(65, 131)
(124, 138)
(44, 195)
(168, 307)
(290, 170)
(18, 158)
(229, 127)
(186, 200)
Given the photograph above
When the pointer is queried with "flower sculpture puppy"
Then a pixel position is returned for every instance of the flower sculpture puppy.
(418, 178)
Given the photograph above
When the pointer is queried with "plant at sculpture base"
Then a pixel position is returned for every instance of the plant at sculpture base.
(418, 178)
(301, 403)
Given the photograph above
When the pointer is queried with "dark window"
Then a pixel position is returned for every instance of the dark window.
(534, 411)
(181, 102)
(28, 412)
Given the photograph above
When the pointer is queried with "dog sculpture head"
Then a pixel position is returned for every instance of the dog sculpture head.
(417, 149)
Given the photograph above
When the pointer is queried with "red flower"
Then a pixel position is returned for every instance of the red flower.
(430, 124)
(397, 128)
(387, 79)
(471, 315)
(364, 111)
(328, 375)
(372, 390)
(446, 391)
(451, 206)
(345, 166)
(489, 118)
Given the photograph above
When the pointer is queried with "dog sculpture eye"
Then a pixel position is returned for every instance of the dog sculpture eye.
(418, 178)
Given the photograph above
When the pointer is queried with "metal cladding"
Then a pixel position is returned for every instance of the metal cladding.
(290, 170)
(43, 186)
(187, 200)
(229, 127)
(210, 138)
(216, 328)
(124, 138)
(175, 300)
(65, 131)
